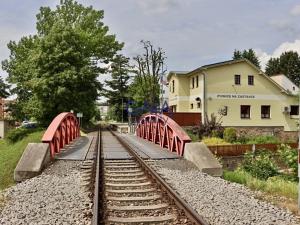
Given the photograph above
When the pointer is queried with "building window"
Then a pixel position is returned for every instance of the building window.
(265, 111)
(173, 86)
(192, 106)
(197, 81)
(245, 111)
(198, 105)
(237, 79)
(250, 80)
(294, 110)
(193, 82)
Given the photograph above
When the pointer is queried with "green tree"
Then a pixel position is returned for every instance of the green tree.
(247, 54)
(56, 70)
(288, 64)
(273, 66)
(118, 87)
(149, 68)
(237, 54)
(3, 89)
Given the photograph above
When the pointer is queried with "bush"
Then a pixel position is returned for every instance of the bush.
(289, 156)
(214, 141)
(15, 135)
(267, 139)
(192, 135)
(229, 134)
(260, 165)
(210, 126)
(217, 133)
(242, 139)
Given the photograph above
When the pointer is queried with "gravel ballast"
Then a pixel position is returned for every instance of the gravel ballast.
(54, 197)
(218, 201)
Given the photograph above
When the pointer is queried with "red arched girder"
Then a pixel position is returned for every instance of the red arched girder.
(62, 130)
(162, 130)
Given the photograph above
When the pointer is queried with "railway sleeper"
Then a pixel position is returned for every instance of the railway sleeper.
(121, 179)
(142, 220)
(138, 208)
(129, 185)
(123, 171)
(126, 199)
(130, 191)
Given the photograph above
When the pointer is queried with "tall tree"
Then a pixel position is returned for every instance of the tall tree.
(273, 66)
(3, 89)
(56, 70)
(247, 54)
(118, 87)
(288, 64)
(237, 54)
(149, 67)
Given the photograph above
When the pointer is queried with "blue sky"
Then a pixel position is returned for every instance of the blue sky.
(192, 32)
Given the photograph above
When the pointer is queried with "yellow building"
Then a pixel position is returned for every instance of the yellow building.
(242, 93)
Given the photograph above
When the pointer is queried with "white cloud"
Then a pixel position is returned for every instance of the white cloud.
(157, 6)
(286, 46)
(295, 11)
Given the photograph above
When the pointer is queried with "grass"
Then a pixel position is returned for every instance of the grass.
(278, 185)
(10, 155)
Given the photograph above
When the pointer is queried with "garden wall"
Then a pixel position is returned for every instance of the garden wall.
(232, 155)
(240, 149)
(278, 131)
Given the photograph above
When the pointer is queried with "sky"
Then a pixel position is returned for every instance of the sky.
(191, 32)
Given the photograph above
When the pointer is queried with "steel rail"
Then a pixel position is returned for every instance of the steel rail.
(98, 190)
(190, 213)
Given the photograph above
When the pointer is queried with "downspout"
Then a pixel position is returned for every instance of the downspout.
(204, 93)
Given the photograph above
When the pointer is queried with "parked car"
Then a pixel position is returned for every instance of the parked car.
(29, 124)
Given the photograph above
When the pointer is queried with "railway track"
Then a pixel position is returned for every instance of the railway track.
(131, 192)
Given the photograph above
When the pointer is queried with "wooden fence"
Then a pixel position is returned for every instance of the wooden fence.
(185, 118)
(240, 149)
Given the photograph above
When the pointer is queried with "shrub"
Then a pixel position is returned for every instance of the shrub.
(217, 133)
(214, 141)
(289, 156)
(192, 135)
(229, 134)
(15, 135)
(264, 139)
(260, 165)
(210, 126)
(242, 139)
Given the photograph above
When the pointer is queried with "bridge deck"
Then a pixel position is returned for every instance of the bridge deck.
(112, 149)
(77, 150)
(146, 149)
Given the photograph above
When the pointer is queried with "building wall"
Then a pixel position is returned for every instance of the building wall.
(181, 95)
(221, 91)
(196, 92)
